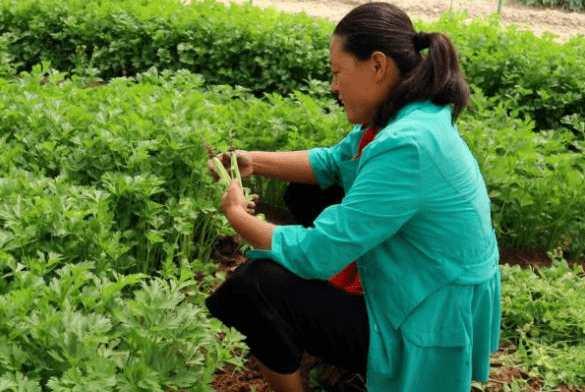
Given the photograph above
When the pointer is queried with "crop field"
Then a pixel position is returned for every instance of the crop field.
(110, 231)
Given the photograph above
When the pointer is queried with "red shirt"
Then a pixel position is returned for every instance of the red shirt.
(349, 278)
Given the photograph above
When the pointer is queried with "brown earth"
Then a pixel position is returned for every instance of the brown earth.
(539, 20)
(327, 378)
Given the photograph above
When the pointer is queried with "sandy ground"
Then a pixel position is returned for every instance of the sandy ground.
(564, 24)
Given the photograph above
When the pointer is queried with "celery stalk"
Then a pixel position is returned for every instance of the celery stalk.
(238, 176)
(236, 169)
(224, 176)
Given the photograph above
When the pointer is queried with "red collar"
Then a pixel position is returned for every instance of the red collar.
(367, 137)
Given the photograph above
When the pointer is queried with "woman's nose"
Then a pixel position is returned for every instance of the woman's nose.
(334, 88)
(336, 96)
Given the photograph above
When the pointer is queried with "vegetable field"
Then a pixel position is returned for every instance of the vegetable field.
(109, 221)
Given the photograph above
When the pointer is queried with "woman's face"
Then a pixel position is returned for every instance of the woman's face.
(362, 86)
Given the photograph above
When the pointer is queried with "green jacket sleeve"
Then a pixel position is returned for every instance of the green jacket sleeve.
(382, 198)
(327, 163)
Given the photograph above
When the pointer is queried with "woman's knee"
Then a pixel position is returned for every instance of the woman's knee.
(250, 283)
(259, 275)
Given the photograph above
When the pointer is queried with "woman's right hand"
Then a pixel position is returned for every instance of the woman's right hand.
(244, 163)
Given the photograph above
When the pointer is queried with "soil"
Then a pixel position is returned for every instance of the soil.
(539, 20)
(323, 376)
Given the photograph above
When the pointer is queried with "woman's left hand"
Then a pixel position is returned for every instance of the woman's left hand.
(234, 198)
(239, 214)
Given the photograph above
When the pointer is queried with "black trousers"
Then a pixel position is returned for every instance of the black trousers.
(283, 315)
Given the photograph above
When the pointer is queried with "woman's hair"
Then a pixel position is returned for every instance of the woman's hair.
(436, 76)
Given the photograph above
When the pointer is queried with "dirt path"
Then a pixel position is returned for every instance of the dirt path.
(564, 24)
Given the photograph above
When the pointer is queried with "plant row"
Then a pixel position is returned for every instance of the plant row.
(140, 146)
(544, 80)
(533, 181)
(276, 53)
(66, 327)
(543, 317)
(279, 52)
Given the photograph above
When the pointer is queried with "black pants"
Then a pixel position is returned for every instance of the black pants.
(283, 315)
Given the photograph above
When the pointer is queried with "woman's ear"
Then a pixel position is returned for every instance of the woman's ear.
(380, 63)
(385, 68)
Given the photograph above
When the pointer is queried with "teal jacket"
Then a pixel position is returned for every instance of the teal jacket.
(416, 218)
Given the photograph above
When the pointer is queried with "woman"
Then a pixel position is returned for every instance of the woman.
(415, 219)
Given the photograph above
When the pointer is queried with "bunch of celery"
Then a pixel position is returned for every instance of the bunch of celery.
(226, 177)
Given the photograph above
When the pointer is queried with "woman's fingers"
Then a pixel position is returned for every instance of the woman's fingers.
(233, 197)
(244, 162)
(251, 208)
(225, 161)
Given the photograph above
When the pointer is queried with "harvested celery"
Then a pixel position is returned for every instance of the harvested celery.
(225, 177)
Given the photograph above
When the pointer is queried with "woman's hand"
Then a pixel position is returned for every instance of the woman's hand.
(234, 199)
(240, 213)
(244, 163)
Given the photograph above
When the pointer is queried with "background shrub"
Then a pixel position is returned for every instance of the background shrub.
(278, 52)
(568, 5)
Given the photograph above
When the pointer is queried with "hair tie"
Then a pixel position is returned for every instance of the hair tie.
(421, 41)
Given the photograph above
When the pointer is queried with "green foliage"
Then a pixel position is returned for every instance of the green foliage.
(544, 79)
(140, 146)
(53, 217)
(278, 52)
(534, 182)
(7, 62)
(118, 179)
(73, 329)
(17, 382)
(542, 315)
(568, 5)
(104, 179)
(135, 140)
